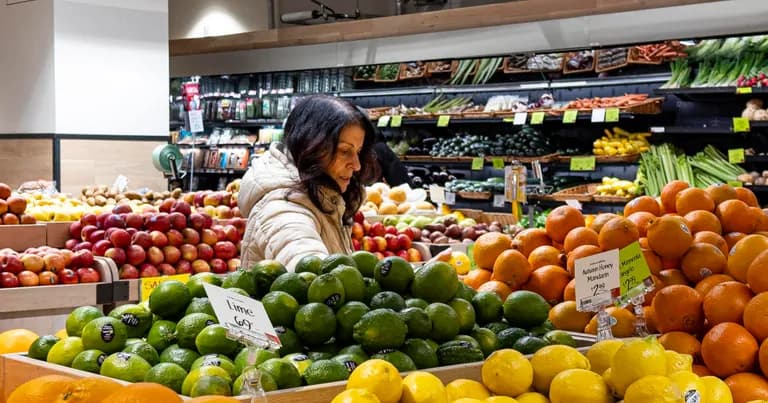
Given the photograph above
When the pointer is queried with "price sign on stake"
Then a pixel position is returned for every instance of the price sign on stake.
(450, 198)
(597, 280)
(437, 194)
(383, 121)
(537, 118)
(195, 121)
(396, 121)
(148, 284)
(598, 115)
(736, 155)
(520, 118)
(244, 317)
(477, 163)
(634, 274)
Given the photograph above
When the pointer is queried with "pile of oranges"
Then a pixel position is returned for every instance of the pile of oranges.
(707, 250)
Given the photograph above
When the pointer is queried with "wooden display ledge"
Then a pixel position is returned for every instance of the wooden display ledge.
(21, 237)
(57, 233)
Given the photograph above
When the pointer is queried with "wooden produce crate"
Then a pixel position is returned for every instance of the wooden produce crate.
(582, 193)
(21, 237)
(57, 233)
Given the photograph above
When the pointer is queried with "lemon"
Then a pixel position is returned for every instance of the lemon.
(62, 334)
(460, 262)
(501, 399)
(467, 400)
(462, 388)
(647, 357)
(601, 354)
(507, 372)
(423, 387)
(579, 385)
(380, 378)
(717, 390)
(552, 360)
(532, 397)
(677, 362)
(653, 389)
(356, 396)
(689, 384)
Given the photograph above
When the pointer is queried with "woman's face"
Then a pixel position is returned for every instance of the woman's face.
(346, 160)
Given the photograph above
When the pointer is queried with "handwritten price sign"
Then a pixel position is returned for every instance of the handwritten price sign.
(148, 284)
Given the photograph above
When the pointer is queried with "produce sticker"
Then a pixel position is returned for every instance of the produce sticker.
(244, 317)
(597, 280)
(148, 284)
(736, 155)
(537, 118)
(634, 274)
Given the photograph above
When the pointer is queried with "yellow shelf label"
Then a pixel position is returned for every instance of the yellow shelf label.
(443, 121)
(612, 115)
(740, 125)
(735, 184)
(570, 116)
(477, 163)
(537, 118)
(583, 163)
(498, 162)
(744, 90)
(148, 284)
(736, 155)
(396, 121)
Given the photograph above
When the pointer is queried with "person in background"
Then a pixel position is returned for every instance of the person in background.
(392, 169)
(300, 196)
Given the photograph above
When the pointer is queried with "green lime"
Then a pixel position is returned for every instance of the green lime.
(416, 303)
(211, 386)
(335, 260)
(162, 334)
(325, 371)
(125, 366)
(380, 329)
(319, 355)
(315, 323)
(195, 283)
(487, 340)
(354, 286)
(508, 337)
(196, 374)
(308, 278)
(327, 289)
(465, 292)
(542, 329)
(488, 307)
(106, 334)
(445, 321)
(143, 350)
(354, 349)
(458, 352)
(136, 318)
(132, 340)
(252, 357)
(394, 274)
(365, 262)
(525, 309)
(421, 352)
(78, 318)
(372, 288)
(529, 344)
(299, 360)
(241, 385)
(213, 340)
(169, 299)
(200, 305)
(435, 282)
(433, 344)
(560, 337)
(284, 373)
(183, 357)
(188, 327)
(469, 339)
(388, 299)
(309, 264)
(281, 307)
(497, 327)
(242, 279)
(266, 272)
(466, 313)
(167, 374)
(289, 341)
(293, 284)
(40, 347)
(399, 359)
(216, 360)
(330, 347)
(89, 361)
(350, 361)
(418, 322)
(349, 314)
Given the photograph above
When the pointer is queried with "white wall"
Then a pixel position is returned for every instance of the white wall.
(26, 67)
(198, 18)
(111, 59)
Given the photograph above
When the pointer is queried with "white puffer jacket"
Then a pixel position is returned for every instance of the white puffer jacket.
(285, 225)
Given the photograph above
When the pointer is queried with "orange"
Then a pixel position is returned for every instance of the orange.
(600, 220)
(678, 307)
(569, 293)
(712, 238)
(702, 260)
(213, 399)
(43, 389)
(746, 387)
(727, 349)
(670, 262)
(512, 268)
(682, 343)
(545, 255)
(488, 247)
(16, 341)
(562, 220)
(650, 319)
(747, 197)
(669, 194)
(693, 199)
(564, 316)
(701, 220)
(477, 277)
(579, 236)
(743, 253)
(578, 253)
(143, 392)
(756, 316)
(672, 277)
(549, 282)
(653, 260)
(529, 239)
(501, 289)
(706, 284)
(669, 236)
(645, 204)
(736, 216)
(88, 390)
(643, 241)
(641, 220)
(657, 285)
(732, 238)
(725, 302)
(762, 357)
(617, 234)
(762, 219)
(721, 192)
(624, 326)
(701, 370)
(757, 273)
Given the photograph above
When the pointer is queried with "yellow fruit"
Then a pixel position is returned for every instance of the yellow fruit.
(501, 399)
(460, 262)
(716, 390)
(532, 397)
(653, 389)
(397, 195)
(423, 387)
(601, 354)
(387, 208)
(579, 385)
(647, 357)
(62, 334)
(677, 362)
(507, 372)
(16, 341)
(379, 377)
(688, 383)
(373, 196)
(552, 360)
(462, 388)
(467, 400)
(356, 396)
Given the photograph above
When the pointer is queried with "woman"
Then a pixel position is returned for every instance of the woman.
(300, 195)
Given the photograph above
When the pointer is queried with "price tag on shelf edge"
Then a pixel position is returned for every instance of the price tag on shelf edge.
(598, 115)
(450, 198)
(736, 184)
(744, 90)
(740, 125)
(574, 203)
(582, 163)
(148, 284)
(499, 200)
(612, 115)
(736, 155)
(477, 163)
(383, 121)
(520, 118)
(243, 316)
(443, 120)
(597, 280)
(195, 121)
(437, 194)
(498, 162)
(396, 121)
(537, 118)
(634, 274)
(570, 116)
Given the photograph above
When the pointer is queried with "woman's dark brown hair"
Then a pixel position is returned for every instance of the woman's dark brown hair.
(312, 133)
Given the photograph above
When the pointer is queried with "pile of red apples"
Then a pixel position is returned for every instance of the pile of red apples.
(383, 240)
(46, 266)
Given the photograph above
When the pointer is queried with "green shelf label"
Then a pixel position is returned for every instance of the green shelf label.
(443, 120)
(396, 121)
(583, 163)
(736, 155)
(740, 125)
(537, 118)
(634, 273)
(735, 184)
(744, 90)
(498, 162)
(612, 115)
(477, 163)
(570, 116)
(383, 121)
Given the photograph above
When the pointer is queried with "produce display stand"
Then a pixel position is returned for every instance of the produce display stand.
(57, 233)
(21, 237)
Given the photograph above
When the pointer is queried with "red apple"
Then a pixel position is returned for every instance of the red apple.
(48, 278)
(355, 244)
(358, 217)
(155, 256)
(225, 250)
(83, 246)
(120, 238)
(142, 239)
(113, 221)
(178, 221)
(82, 258)
(117, 255)
(357, 231)
(212, 199)
(209, 237)
(188, 252)
(239, 223)
(88, 275)
(200, 266)
(381, 243)
(172, 254)
(183, 267)
(96, 236)
(190, 236)
(388, 253)
(166, 270)
(205, 252)
(32, 262)
(76, 229)
(403, 241)
(391, 241)
(207, 220)
(174, 238)
(100, 219)
(71, 244)
(218, 266)
(165, 205)
(100, 247)
(180, 206)
(133, 220)
(128, 271)
(54, 262)
(28, 279)
(121, 209)
(220, 234)
(390, 229)
(68, 276)
(402, 253)
(233, 264)
(377, 229)
(86, 232)
(196, 221)
(407, 232)
(415, 232)
(199, 197)
(135, 255)
(236, 211)
(158, 222)
(158, 239)
(66, 255)
(414, 255)
(368, 244)
(224, 212)
(378, 255)
(11, 264)
(131, 231)
(148, 270)
(89, 219)
(8, 280)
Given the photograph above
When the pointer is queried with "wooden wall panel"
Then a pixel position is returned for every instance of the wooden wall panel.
(24, 160)
(99, 162)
